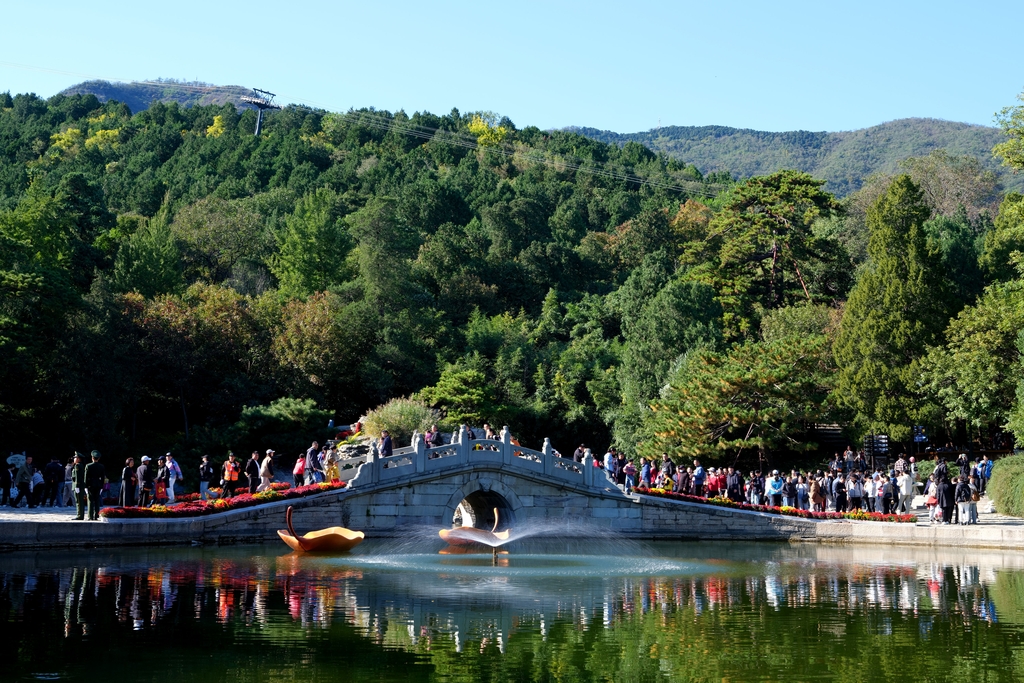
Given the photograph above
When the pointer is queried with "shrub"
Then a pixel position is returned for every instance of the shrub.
(1007, 485)
(401, 417)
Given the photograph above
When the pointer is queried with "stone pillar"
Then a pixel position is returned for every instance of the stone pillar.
(464, 445)
(588, 467)
(506, 446)
(419, 457)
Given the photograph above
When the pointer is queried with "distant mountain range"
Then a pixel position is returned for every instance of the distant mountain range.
(843, 159)
(139, 96)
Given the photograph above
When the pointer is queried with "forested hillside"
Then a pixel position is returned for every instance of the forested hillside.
(139, 96)
(843, 159)
(167, 279)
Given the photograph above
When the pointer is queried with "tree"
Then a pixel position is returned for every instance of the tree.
(974, 374)
(759, 249)
(894, 313)
(755, 396)
(217, 234)
(952, 183)
(312, 246)
(149, 261)
(1006, 238)
(1011, 120)
(464, 396)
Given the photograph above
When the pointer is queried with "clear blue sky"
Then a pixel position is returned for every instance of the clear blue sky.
(621, 66)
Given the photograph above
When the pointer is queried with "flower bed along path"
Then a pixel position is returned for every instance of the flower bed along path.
(788, 511)
(196, 508)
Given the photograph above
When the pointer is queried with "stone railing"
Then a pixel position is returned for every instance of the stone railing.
(417, 460)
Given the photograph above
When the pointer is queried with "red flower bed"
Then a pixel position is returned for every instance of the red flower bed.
(191, 497)
(790, 512)
(195, 508)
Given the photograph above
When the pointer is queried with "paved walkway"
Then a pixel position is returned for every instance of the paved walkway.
(986, 516)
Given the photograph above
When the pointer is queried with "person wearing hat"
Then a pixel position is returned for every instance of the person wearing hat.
(78, 484)
(144, 475)
(266, 470)
(95, 477)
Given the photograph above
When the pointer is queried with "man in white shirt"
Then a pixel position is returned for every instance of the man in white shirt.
(906, 485)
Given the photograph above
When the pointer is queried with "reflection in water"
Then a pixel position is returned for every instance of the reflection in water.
(777, 612)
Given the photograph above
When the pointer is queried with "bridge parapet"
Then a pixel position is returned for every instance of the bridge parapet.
(464, 453)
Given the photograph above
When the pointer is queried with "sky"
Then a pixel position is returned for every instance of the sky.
(626, 66)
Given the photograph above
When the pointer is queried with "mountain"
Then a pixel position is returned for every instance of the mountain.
(843, 159)
(139, 95)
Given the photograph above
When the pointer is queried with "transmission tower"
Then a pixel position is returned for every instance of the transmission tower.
(261, 99)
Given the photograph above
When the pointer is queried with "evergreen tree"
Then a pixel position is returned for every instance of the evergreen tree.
(312, 246)
(149, 261)
(894, 313)
(756, 396)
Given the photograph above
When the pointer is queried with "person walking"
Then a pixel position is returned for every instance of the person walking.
(78, 485)
(313, 471)
(95, 477)
(23, 482)
(267, 471)
(205, 477)
(147, 481)
(126, 497)
(174, 475)
(299, 471)
(229, 475)
(252, 472)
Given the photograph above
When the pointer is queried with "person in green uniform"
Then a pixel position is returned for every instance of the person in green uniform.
(95, 477)
(78, 485)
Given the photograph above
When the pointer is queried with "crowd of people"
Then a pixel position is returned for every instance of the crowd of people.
(846, 484)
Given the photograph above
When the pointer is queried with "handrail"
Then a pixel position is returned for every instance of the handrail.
(462, 452)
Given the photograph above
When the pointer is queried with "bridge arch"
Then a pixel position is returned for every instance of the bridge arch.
(478, 499)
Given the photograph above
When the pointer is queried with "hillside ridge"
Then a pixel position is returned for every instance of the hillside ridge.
(842, 158)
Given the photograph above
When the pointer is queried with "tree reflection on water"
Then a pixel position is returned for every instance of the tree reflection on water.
(254, 614)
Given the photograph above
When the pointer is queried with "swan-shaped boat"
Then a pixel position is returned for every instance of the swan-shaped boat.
(333, 539)
(467, 535)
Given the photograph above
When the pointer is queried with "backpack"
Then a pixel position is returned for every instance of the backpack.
(300, 467)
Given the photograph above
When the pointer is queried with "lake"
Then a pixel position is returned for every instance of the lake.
(568, 610)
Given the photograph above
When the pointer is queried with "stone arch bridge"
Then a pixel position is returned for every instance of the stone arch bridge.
(421, 486)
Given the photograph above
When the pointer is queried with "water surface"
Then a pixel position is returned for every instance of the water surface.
(572, 610)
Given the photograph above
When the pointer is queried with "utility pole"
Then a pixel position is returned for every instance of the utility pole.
(261, 99)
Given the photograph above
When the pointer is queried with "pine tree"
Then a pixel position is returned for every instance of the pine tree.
(757, 396)
(895, 311)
